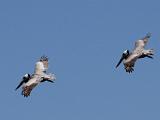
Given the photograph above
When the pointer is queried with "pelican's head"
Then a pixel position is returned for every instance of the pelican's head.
(27, 76)
(124, 56)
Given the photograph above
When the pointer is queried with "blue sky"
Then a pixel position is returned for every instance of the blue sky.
(84, 40)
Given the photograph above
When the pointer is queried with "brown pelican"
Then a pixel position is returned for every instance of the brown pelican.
(129, 58)
(30, 81)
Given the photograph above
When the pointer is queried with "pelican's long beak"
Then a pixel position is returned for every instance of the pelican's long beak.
(20, 84)
(120, 61)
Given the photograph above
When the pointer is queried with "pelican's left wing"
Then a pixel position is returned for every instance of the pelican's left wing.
(140, 44)
(39, 68)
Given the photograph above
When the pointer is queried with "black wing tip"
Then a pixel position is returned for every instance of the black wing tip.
(50, 81)
(150, 57)
(46, 80)
(148, 35)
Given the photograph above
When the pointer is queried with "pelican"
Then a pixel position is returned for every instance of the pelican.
(129, 58)
(31, 81)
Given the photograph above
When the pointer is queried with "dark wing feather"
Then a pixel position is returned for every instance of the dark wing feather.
(47, 80)
(26, 90)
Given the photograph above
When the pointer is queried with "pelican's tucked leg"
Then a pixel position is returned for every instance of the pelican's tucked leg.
(27, 90)
(129, 69)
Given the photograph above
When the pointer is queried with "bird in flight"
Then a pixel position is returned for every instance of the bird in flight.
(139, 51)
(40, 75)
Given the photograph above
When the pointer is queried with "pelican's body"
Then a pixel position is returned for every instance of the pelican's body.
(38, 77)
(138, 52)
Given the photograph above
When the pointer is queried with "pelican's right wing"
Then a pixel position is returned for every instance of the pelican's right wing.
(40, 69)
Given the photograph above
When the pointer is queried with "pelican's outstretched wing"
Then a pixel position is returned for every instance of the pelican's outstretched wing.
(40, 69)
(140, 44)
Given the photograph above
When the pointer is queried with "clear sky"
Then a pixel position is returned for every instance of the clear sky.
(84, 40)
